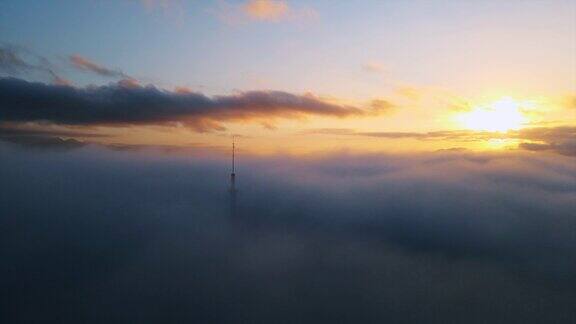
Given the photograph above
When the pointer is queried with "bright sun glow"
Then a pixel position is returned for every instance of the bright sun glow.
(499, 116)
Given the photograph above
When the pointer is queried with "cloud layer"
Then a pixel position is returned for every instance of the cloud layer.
(130, 104)
(555, 139)
(438, 238)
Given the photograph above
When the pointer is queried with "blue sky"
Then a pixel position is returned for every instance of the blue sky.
(453, 44)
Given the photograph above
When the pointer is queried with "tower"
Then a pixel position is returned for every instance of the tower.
(233, 174)
(233, 191)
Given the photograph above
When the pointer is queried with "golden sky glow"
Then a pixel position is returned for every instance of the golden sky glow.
(299, 77)
(502, 115)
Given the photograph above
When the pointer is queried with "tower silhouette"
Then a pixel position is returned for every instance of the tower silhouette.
(233, 191)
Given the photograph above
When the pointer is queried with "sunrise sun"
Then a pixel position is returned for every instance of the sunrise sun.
(499, 116)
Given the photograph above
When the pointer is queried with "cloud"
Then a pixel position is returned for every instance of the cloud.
(130, 104)
(461, 135)
(41, 137)
(436, 238)
(410, 92)
(555, 139)
(11, 62)
(548, 134)
(264, 11)
(373, 67)
(570, 102)
(130, 83)
(272, 10)
(85, 64)
(34, 130)
(567, 148)
(43, 142)
(16, 60)
(58, 80)
(268, 125)
(381, 106)
(560, 140)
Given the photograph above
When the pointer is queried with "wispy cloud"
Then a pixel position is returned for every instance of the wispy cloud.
(11, 62)
(554, 139)
(374, 67)
(460, 135)
(84, 64)
(264, 11)
(17, 60)
(45, 136)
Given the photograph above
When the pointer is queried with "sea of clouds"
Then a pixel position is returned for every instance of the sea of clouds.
(92, 235)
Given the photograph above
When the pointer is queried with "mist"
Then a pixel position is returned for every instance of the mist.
(91, 235)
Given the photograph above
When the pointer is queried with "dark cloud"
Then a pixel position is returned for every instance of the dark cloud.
(453, 149)
(39, 136)
(38, 130)
(118, 104)
(331, 131)
(555, 139)
(190, 148)
(561, 140)
(564, 148)
(548, 134)
(43, 142)
(95, 236)
(460, 135)
(85, 64)
(43, 138)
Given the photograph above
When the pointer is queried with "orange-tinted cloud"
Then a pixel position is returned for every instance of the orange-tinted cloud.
(85, 64)
(559, 140)
(570, 101)
(381, 106)
(266, 9)
(129, 83)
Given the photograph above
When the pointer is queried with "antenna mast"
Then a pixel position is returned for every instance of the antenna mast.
(233, 191)
(233, 174)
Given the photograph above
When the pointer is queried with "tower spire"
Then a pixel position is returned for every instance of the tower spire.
(233, 174)
(233, 190)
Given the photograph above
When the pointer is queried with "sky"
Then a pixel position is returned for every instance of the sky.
(410, 66)
(396, 161)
